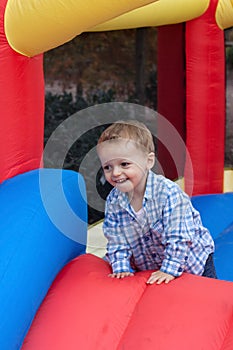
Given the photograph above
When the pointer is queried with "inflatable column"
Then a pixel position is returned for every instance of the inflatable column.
(205, 103)
(22, 109)
(171, 96)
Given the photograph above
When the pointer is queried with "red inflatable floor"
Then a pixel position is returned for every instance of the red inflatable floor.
(87, 310)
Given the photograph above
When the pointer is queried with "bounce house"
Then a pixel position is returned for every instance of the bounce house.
(55, 295)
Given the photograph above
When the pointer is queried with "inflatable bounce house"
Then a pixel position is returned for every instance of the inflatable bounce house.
(54, 295)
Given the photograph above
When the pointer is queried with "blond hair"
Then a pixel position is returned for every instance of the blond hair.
(132, 130)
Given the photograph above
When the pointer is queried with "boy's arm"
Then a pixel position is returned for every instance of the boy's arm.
(179, 230)
(118, 249)
(118, 253)
(176, 254)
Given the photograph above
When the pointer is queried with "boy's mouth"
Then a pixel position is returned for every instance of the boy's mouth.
(120, 181)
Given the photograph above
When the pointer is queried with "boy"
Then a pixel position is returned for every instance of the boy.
(150, 223)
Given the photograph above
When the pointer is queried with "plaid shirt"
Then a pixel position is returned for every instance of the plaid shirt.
(169, 236)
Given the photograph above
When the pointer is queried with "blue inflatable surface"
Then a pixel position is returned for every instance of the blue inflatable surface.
(224, 253)
(216, 211)
(43, 225)
(217, 215)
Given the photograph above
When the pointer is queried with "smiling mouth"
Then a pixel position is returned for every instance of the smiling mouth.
(120, 181)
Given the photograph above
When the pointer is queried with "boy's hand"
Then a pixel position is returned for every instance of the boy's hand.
(160, 277)
(120, 274)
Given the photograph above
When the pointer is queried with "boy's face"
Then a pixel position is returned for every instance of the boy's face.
(125, 165)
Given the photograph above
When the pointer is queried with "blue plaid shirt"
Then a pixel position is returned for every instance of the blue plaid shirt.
(169, 236)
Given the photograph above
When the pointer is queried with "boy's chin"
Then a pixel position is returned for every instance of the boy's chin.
(125, 188)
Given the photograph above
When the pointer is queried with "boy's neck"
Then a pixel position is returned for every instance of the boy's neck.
(136, 200)
(136, 204)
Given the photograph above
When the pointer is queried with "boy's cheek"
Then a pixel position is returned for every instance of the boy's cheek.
(108, 179)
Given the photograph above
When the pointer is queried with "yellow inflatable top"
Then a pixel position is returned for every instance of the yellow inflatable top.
(33, 27)
(161, 13)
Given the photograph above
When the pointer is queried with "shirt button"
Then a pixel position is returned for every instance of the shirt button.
(180, 269)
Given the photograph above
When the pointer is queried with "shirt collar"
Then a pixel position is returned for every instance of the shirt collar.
(150, 183)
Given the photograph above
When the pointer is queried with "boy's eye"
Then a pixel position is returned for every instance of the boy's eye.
(106, 168)
(124, 164)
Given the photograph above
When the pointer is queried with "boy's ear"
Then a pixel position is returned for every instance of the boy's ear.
(151, 160)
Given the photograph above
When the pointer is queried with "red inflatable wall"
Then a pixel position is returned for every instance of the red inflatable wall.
(22, 109)
(205, 103)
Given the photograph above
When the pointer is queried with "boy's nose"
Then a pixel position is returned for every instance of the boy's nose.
(116, 171)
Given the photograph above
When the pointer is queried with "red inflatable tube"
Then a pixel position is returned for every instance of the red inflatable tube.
(85, 309)
(205, 76)
(22, 109)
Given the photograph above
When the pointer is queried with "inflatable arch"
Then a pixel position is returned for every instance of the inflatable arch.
(83, 307)
(29, 29)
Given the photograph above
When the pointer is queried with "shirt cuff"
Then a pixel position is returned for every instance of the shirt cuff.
(121, 266)
(174, 268)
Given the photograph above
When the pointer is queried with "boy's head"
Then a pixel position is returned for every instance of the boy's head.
(126, 152)
(131, 130)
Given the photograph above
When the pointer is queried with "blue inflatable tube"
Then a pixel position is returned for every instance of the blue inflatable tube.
(36, 209)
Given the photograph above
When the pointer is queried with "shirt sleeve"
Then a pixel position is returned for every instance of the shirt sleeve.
(179, 230)
(118, 249)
